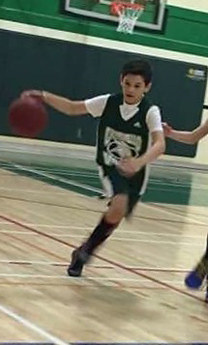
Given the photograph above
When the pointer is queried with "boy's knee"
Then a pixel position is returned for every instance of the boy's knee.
(117, 209)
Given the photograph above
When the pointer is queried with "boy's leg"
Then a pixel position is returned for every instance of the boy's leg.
(105, 227)
(106, 184)
(196, 277)
(136, 184)
(102, 231)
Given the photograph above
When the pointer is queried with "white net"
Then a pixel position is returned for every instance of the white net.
(128, 17)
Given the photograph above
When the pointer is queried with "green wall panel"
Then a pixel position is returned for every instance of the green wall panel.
(76, 70)
(185, 31)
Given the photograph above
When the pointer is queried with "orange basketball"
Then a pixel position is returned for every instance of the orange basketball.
(27, 116)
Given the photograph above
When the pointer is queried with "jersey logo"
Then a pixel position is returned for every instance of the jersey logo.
(137, 124)
(119, 145)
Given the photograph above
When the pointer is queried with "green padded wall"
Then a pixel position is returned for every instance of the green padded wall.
(79, 71)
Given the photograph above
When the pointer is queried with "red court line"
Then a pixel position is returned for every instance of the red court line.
(111, 262)
(119, 284)
(34, 246)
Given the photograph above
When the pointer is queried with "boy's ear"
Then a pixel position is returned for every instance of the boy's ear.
(148, 87)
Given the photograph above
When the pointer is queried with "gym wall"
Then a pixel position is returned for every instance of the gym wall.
(60, 65)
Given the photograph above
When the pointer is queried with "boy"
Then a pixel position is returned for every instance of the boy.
(130, 136)
(196, 277)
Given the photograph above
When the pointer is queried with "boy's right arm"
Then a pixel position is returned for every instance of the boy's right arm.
(61, 104)
(188, 137)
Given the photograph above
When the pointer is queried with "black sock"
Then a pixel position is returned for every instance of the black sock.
(102, 231)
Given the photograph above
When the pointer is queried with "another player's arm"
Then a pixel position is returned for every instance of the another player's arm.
(188, 137)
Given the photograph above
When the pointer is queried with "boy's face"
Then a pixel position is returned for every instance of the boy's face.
(133, 87)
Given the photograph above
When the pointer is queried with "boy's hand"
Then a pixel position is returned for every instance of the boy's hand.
(129, 166)
(167, 129)
(33, 93)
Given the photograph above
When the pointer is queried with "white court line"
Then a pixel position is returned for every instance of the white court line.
(5, 222)
(76, 184)
(32, 326)
(83, 186)
(152, 179)
(84, 228)
(32, 191)
(113, 238)
(170, 188)
(171, 185)
(41, 276)
(51, 226)
(34, 262)
(85, 279)
(159, 209)
(59, 179)
(69, 171)
(59, 263)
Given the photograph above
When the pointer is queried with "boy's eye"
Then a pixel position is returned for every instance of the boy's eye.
(135, 86)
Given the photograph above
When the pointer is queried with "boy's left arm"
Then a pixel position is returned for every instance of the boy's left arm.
(157, 148)
(129, 166)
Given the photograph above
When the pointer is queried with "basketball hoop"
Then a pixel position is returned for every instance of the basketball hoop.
(128, 13)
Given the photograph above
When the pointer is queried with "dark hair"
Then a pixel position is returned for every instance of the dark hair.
(138, 67)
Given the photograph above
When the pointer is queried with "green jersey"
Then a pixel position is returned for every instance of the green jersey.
(119, 138)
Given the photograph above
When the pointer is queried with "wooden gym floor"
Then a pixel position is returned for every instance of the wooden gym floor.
(133, 290)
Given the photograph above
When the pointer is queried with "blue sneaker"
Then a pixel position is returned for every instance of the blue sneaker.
(196, 277)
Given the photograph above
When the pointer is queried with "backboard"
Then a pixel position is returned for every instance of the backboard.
(152, 18)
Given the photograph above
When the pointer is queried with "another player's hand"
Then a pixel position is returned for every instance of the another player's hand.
(129, 166)
(33, 93)
(167, 129)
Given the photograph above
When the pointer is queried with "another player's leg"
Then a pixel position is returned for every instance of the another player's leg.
(102, 231)
(196, 277)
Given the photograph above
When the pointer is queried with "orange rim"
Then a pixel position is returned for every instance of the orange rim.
(118, 6)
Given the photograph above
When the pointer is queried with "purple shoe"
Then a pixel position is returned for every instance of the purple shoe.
(196, 277)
